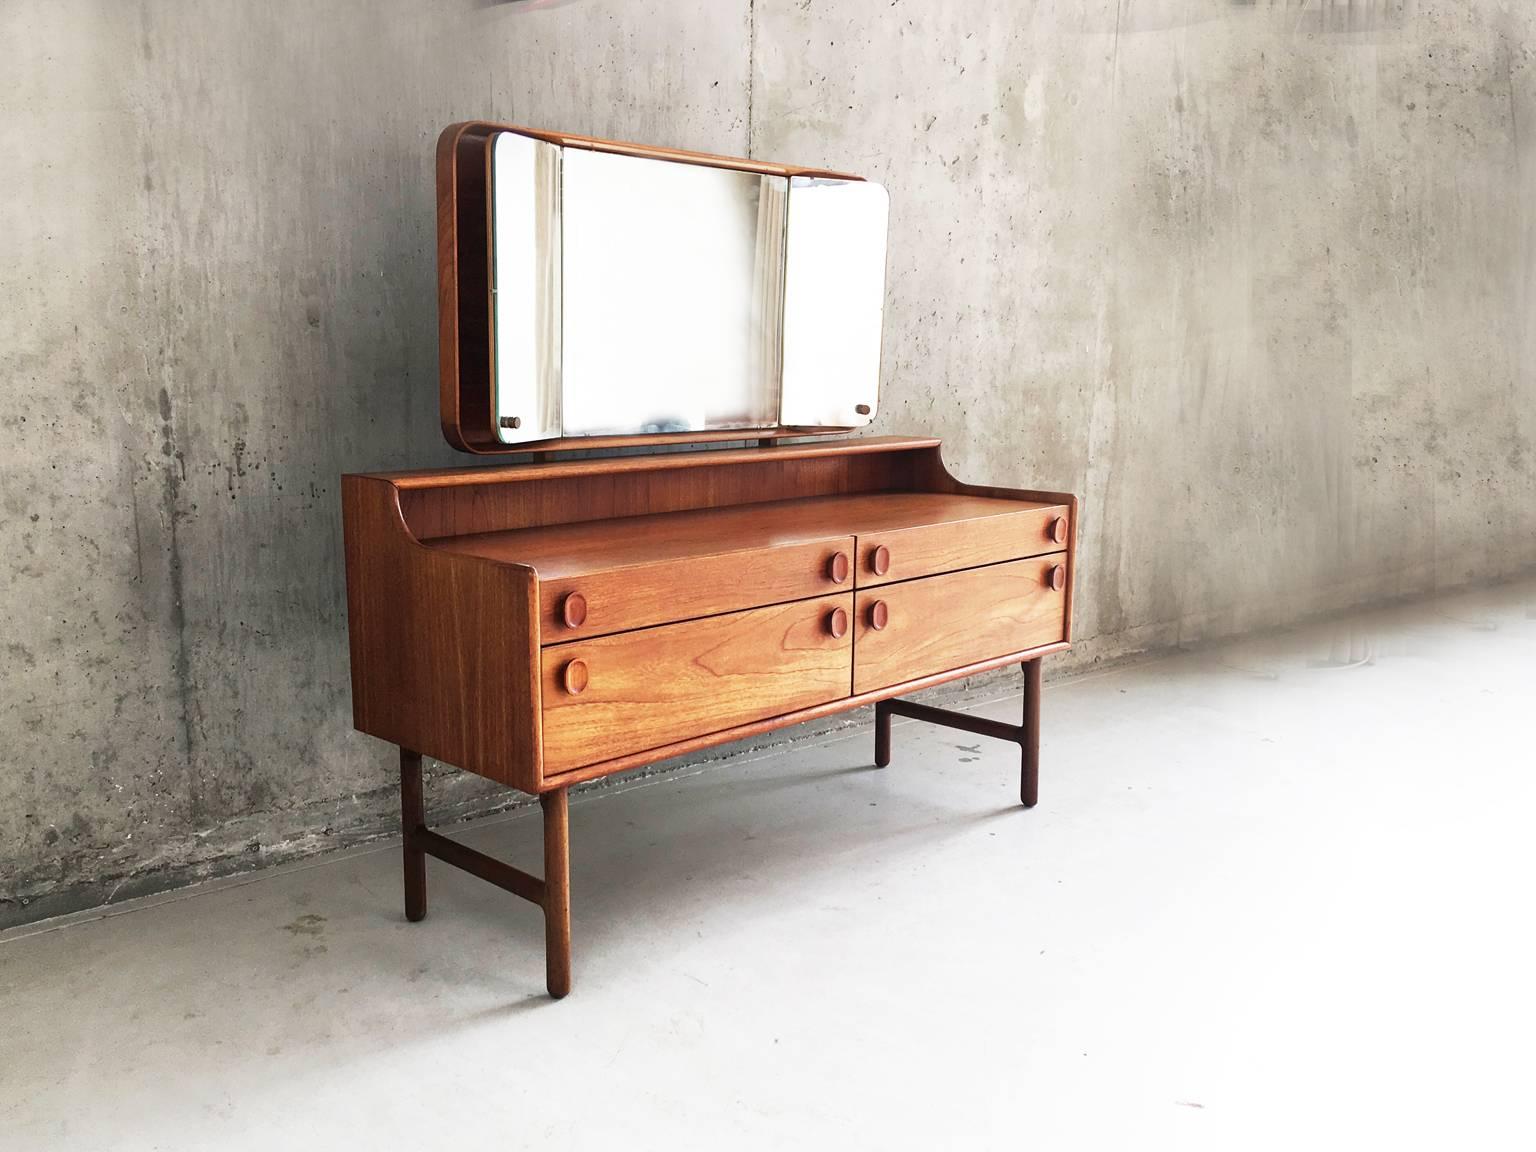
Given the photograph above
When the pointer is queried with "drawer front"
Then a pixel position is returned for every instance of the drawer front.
(643, 595)
(946, 622)
(933, 548)
(614, 695)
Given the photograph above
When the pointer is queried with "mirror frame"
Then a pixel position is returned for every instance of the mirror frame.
(466, 386)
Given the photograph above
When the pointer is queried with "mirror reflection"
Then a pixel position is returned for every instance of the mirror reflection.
(671, 285)
(834, 300)
(634, 295)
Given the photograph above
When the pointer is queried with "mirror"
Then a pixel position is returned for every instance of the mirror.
(634, 295)
(525, 286)
(834, 299)
(671, 287)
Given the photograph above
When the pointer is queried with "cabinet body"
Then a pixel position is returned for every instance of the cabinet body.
(548, 623)
(545, 624)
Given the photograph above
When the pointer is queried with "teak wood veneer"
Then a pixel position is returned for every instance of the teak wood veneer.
(547, 624)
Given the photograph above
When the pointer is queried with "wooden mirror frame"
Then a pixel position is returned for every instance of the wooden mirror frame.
(464, 304)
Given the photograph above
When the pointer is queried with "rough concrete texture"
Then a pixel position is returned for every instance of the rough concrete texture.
(1255, 279)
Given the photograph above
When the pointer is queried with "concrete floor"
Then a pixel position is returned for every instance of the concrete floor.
(1276, 894)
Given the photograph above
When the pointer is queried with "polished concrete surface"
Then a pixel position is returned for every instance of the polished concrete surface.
(1277, 893)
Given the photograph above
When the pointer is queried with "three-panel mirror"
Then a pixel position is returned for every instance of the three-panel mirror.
(633, 293)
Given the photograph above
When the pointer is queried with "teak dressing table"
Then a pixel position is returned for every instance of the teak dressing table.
(550, 622)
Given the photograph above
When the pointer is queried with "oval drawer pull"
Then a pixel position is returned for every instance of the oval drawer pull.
(837, 623)
(837, 568)
(879, 615)
(573, 610)
(1059, 530)
(573, 677)
(1058, 577)
(880, 560)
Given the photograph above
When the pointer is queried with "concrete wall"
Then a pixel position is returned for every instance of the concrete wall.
(1252, 276)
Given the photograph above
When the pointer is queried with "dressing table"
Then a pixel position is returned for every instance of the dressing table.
(555, 620)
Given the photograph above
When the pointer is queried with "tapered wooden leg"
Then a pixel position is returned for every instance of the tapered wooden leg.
(557, 892)
(882, 733)
(552, 893)
(1029, 737)
(413, 821)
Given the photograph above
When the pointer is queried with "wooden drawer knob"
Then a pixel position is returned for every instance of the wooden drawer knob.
(573, 677)
(1059, 530)
(879, 615)
(837, 568)
(837, 623)
(880, 560)
(573, 610)
(1058, 577)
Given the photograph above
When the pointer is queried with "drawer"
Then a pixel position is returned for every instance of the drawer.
(614, 695)
(925, 627)
(639, 595)
(885, 557)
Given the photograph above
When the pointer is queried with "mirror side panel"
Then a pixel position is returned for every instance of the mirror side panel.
(526, 290)
(834, 302)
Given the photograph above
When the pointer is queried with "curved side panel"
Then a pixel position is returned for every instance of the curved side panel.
(445, 648)
(937, 478)
(463, 285)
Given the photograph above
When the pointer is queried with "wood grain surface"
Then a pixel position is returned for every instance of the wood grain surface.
(444, 647)
(625, 597)
(643, 570)
(454, 576)
(948, 621)
(981, 530)
(465, 501)
(657, 685)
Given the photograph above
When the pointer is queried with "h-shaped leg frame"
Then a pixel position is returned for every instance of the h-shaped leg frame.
(552, 893)
(1025, 735)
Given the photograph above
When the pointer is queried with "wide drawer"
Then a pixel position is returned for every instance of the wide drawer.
(885, 557)
(596, 603)
(925, 627)
(613, 695)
